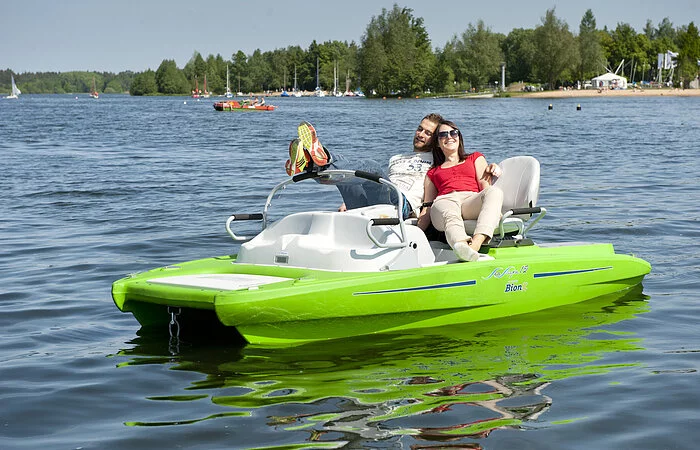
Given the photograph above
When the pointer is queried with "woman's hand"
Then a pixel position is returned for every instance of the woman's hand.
(492, 173)
(429, 194)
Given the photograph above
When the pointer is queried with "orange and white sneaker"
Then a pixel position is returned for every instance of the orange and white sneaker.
(309, 139)
(298, 158)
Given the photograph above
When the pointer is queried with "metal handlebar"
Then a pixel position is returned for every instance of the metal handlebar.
(234, 217)
(522, 230)
(328, 174)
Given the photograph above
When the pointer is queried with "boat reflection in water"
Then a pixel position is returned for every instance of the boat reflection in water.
(454, 384)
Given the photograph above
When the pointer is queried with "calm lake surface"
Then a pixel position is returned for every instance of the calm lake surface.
(95, 189)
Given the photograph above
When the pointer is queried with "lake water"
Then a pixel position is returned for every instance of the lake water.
(95, 189)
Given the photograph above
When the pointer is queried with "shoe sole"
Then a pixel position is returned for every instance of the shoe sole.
(309, 139)
(298, 168)
(299, 156)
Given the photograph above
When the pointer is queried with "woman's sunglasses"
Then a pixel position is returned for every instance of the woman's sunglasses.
(452, 133)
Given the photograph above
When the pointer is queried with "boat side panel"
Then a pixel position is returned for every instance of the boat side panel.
(311, 309)
(314, 304)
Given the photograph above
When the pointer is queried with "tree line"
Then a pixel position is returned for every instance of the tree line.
(67, 82)
(395, 57)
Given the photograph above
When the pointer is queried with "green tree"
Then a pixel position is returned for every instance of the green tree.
(556, 50)
(688, 53)
(144, 84)
(660, 40)
(665, 31)
(216, 74)
(259, 72)
(478, 56)
(627, 46)
(331, 55)
(239, 70)
(622, 45)
(444, 79)
(641, 61)
(395, 55)
(592, 60)
(520, 52)
(169, 79)
(373, 58)
(314, 63)
(194, 70)
(295, 65)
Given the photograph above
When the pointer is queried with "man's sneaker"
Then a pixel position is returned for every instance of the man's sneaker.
(308, 137)
(298, 158)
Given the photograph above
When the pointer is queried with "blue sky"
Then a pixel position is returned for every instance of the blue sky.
(112, 36)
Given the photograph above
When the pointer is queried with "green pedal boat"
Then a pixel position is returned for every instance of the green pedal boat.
(326, 275)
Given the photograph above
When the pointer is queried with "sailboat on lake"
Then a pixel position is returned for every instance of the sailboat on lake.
(295, 91)
(336, 92)
(284, 85)
(318, 92)
(93, 92)
(228, 94)
(206, 93)
(15, 90)
(196, 92)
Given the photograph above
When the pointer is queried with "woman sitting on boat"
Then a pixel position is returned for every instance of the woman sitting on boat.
(458, 187)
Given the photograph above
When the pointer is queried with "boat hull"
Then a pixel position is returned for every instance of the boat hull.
(278, 305)
(235, 106)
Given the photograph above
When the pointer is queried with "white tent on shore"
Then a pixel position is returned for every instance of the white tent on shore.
(610, 81)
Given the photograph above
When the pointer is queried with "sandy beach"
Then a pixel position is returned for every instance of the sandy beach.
(650, 92)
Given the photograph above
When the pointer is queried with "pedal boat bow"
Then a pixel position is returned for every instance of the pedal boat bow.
(325, 275)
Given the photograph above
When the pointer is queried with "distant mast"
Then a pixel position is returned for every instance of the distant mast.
(318, 88)
(228, 87)
(93, 92)
(205, 94)
(336, 78)
(295, 77)
(318, 92)
(195, 92)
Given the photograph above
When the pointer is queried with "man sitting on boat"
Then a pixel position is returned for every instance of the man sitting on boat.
(407, 170)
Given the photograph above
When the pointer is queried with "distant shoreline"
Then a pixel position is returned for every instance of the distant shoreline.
(573, 93)
(635, 92)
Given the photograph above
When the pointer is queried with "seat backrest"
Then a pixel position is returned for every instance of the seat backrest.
(520, 182)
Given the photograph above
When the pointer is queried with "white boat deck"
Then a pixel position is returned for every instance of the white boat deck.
(225, 282)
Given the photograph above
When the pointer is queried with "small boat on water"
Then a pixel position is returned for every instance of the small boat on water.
(318, 92)
(93, 92)
(233, 105)
(199, 93)
(205, 93)
(15, 90)
(320, 275)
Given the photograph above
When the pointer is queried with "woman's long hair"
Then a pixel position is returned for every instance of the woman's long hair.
(438, 156)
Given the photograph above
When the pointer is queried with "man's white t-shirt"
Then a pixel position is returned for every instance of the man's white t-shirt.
(408, 171)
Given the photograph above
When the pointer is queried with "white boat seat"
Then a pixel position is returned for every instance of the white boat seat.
(520, 183)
